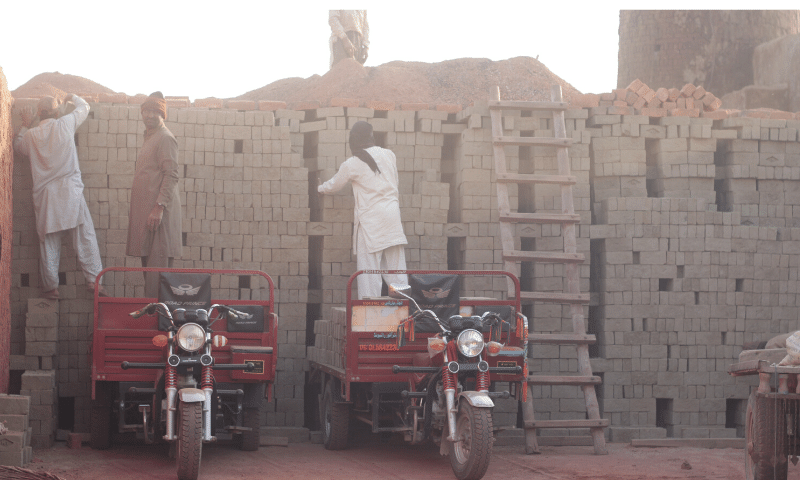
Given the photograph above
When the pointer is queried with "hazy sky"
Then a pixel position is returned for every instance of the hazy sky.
(226, 48)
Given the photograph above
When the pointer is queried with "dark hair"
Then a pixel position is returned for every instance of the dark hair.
(360, 139)
(157, 94)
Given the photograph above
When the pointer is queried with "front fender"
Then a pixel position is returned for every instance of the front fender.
(477, 399)
(191, 395)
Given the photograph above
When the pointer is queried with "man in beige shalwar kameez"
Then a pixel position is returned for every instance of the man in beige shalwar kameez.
(154, 228)
(58, 190)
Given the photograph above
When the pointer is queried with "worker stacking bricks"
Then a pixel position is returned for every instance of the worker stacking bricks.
(40, 387)
(15, 430)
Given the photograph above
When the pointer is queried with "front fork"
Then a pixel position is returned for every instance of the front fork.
(207, 385)
(450, 383)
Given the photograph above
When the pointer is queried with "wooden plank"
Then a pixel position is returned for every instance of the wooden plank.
(772, 355)
(598, 423)
(555, 297)
(565, 441)
(538, 218)
(532, 141)
(523, 105)
(543, 257)
(534, 179)
(561, 338)
(689, 442)
(563, 380)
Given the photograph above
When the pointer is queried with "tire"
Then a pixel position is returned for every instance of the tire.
(471, 452)
(335, 421)
(765, 440)
(100, 422)
(190, 440)
(251, 418)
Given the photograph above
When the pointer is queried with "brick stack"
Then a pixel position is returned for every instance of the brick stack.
(329, 339)
(40, 387)
(683, 167)
(15, 444)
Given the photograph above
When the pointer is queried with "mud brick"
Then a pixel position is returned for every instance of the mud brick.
(112, 98)
(326, 112)
(39, 380)
(271, 105)
(208, 102)
(42, 441)
(12, 441)
(15, 459)
(649, 95)
(716, 115)
(669, 105)
(654, 103)
(448, 108)
(380, 105)
(699, 92)
(240, 104)
(42, 305)
(41, 319)
(635, 85)
(344, 102)
(631, 98)
(689, 102)
(626, 110)
(688, 90)
(309, 105)
(681, 102)
(654, 112)
(685, 112)
(640, 103)
(414, 106)
(17, 423)
(662, 94)
(40, 349)
(41, 334)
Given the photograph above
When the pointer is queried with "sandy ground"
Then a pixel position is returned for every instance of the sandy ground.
(373, 459)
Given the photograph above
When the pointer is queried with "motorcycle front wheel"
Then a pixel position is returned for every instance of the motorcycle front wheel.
(190, 440)
(472, 450)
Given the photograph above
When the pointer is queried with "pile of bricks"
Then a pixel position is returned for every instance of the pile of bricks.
(40, 387)
(329, 339)
(15, 443)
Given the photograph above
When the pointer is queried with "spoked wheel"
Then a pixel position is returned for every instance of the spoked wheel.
(335, 421)
(472, 450)
(190, 440)
(765, 456)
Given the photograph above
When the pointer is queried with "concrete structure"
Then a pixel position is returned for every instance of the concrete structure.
(712, 48)
(6, 213)
(691, 226)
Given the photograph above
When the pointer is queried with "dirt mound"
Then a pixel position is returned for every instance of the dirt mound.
(460, 81)
(57, 85)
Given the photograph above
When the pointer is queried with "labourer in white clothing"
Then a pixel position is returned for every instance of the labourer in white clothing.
(349, 35)
(58, 190)
(378, 236)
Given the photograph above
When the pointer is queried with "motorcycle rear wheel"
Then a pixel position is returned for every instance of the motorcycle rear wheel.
(471, 452)
(335, 421)
(190, 440)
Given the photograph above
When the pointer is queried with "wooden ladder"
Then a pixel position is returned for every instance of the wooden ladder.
(570, 258)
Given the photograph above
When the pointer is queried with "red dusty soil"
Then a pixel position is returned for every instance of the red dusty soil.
(376, 460)
(57, 85)
(461, 82)
(458, 82)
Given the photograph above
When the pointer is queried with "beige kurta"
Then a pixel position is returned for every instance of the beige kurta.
(377, 209)
(155, 181)
(57, 186)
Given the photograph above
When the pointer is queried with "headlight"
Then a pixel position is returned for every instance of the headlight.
(470, 343)
(191, 337)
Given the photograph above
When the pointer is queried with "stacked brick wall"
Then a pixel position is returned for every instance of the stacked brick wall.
(6, 213)
(688, 226)
(709, 47)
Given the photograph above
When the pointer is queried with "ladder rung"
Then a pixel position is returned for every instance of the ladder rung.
(528, 178)
(561, 338)
(540, 217)
(522, 105)
(600, 422)
(563, 380)
(533, 141)
(555, 297)
(543, 257)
